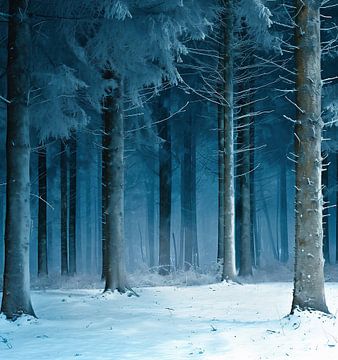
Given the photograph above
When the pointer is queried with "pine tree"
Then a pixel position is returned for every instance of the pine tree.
(229, 267)
(42, 215)
(308, 290)
(16, 287)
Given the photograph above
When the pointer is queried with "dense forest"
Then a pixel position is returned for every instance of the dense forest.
(147, 139)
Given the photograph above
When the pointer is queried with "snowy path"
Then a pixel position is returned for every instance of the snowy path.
(168, 323)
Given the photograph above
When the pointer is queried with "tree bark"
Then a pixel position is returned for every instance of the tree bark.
(220, 248)
(195, 249)
(244, 161)
(115, 275)
(186, 178)
(105, 142)
(188, 197)
(151, 220)
(326, 234)
(42, 213)
(229, 265)
(89, 224)
(165, 190)
(64, 207)
(284, 213)
(72, 204)
(254, 224)
(245, 192)
(308, 290)
(16, 287)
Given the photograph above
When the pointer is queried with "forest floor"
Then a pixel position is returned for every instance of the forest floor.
(216, 321)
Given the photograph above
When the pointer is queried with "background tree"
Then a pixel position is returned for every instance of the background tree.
(42, 231)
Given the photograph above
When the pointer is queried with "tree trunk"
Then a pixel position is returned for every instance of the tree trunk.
(182, 219)
(16, 286)
(115, 272)
(42, 213)
(188, 198)
(105, 142)
(229, 267)
(89, 224)
(308, 290)
(193, 209)
(151, 220)
(64, 208)
(186, 174)
(165, 191)
(220, 248)
(245, 192)
(326, 237)
(254, 228)
(283, 196)
(72, 204)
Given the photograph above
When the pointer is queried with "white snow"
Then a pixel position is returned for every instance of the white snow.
(211, 322)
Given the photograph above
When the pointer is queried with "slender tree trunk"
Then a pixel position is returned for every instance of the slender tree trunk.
(254, 233)
(64, 208)
(105, 143)
(269, 225)
(326, 237)
(165, 191)
(245, 192)
(244, 161)
(220, 249)
(308, 290)
(182, 220)
(151, 220)
(115, 272)
(229, 267)
(195, 250)
(186, 174)
(16, 286)
(89, 224)
(42, 213)
(284, 213)
(72, 204)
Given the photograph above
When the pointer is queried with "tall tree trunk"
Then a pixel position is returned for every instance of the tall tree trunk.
(220, 248)
(326, 237)
(245, 191)
(165, 190)
(64, 207)
(105, 142)
(308, 290)
(244, 160)
(188, 197)
(195, 250)
(182, 219)
(72, 203)
(186, 174)
(89, 224)
(115, 272)
(151, 220)
(254, 226)
(42, 213)
(229, 267)
(283, 196)
(16, 286)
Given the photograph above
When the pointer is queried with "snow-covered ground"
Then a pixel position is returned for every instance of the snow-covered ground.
(210, 322)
